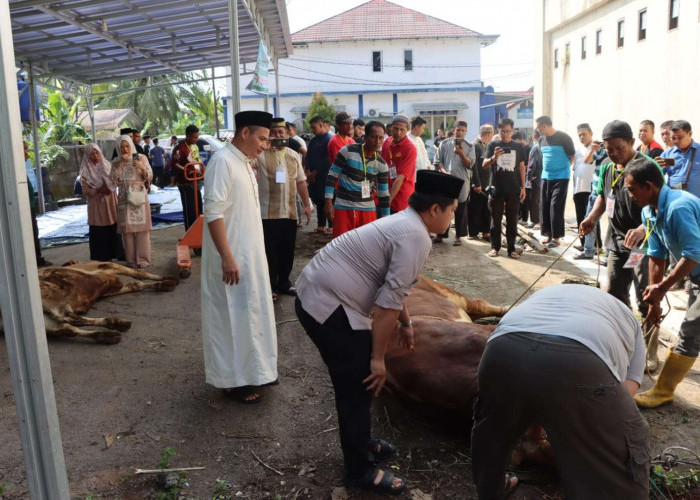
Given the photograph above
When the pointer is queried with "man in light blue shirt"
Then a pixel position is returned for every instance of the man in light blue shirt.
(685, 172)
(671, 218)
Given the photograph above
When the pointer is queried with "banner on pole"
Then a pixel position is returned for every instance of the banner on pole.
(259, 82)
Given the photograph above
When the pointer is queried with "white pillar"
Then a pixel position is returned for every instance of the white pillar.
(277, 87)
(235, 58)
(22, 317)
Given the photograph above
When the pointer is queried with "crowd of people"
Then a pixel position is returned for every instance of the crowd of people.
(385, 204)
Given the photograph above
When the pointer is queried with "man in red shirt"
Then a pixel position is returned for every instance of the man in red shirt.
(649, 146)
(400, 154)
(342, 137)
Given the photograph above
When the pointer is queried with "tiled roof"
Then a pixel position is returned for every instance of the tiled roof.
(380, 20)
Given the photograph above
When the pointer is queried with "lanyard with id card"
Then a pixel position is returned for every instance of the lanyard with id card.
(281, 172)
(365, 185)
(392, 167)
(610, 199)
(638, 254)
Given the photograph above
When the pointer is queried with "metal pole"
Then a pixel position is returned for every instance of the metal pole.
(20, 300)
(91, 114)
(216, 104)
(35, 138)
(267, 104)
(277, 87)
(235, 59)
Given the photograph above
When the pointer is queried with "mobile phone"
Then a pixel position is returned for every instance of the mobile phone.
(458, 143)
(505, 150)
(279, 141)
(669, 162)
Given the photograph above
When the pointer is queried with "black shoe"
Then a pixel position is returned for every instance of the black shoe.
(583, 256)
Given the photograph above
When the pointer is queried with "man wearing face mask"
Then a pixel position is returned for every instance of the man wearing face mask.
(280, 177)
(624, 215)
(358, 170)
(238, 319)
(400, 154)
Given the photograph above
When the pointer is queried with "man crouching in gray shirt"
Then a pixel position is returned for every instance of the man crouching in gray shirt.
(574, 373)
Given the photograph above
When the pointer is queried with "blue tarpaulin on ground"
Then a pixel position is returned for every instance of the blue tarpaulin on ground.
(69, 224)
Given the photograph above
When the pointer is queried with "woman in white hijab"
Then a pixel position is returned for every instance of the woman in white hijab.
(132, 174)
(95, 178)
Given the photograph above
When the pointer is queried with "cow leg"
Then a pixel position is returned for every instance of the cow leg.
(478, 308)
(99, 336)
(118, 324)
(138, 274)
(137, 286)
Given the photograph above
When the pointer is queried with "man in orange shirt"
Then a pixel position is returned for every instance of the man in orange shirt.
(342, 137)
(400, 154)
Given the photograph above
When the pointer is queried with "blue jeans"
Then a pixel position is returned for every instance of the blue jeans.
(589, 241)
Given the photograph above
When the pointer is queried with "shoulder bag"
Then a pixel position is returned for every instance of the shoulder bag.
(684, 185)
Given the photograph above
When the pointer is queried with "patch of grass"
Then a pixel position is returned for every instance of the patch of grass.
(174, 492)
(220, 492)
(668, 483)
(4, 488)
(165, 455)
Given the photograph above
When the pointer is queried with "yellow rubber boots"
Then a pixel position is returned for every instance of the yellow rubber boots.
(675, 369)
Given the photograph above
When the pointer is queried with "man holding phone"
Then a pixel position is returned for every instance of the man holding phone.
(506, 159)
(682, 162)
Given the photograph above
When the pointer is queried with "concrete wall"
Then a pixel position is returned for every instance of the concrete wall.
(654, 78)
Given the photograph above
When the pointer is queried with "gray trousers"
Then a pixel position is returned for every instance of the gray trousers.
(620, 279)
(599, 438)
(689, 335)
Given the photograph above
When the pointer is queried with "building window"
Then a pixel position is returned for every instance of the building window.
(567, 54)
(408, 60)
(673, 11)
(377, 61)
(642, 32)
(621, 33)
(556, 58)
(599, 41)
(583, 47)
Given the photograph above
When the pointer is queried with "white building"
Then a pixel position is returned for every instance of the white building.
(617, 59)
(379, 59)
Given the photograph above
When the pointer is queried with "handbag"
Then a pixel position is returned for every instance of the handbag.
(684, 185)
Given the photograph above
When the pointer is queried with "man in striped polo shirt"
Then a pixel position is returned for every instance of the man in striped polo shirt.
(359, 172)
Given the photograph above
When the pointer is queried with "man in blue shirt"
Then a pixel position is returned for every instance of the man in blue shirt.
(157, 156)
(557, 157)
(685, 172)
(671, 218)
(317, 166)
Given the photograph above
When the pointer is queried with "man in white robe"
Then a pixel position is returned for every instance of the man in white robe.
(238, 320)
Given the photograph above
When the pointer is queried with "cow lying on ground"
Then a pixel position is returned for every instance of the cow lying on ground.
(439, 378)
(68, 293)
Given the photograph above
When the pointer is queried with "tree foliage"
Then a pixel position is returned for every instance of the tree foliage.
(319, 107)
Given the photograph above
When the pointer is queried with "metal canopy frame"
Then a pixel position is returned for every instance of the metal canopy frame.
(71, 45)
(94, 41)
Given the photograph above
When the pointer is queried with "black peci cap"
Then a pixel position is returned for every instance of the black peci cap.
(438, 184)
(252, 118)
(617, 128)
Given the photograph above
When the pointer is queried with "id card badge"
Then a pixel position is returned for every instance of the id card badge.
(610, 205)
(366, 190)
(635, 258)
(280, 176)
(392, 172)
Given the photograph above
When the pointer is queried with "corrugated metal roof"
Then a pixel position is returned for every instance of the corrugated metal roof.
(383, 20)
(91, 41)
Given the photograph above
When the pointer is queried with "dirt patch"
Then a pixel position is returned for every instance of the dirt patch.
(120, 405)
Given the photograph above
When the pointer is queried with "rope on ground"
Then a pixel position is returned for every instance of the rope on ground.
(543, 273)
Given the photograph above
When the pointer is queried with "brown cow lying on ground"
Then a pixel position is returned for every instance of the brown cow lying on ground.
(68, 292)
(440, 377)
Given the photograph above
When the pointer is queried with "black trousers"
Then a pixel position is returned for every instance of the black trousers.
(478, 215)
(187, 199)
(530, 208)
(461, 219)
(599, 438)
(159, 177)
(511, 204)
(620, 279)
(346, 353)
(581, 204)
(105, 243)
(553, 206)
(280, 239)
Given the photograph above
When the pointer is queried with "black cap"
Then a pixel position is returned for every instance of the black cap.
(124, 131)
(438, 184)
(617, 128)
(278, 122)
(252, 118)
